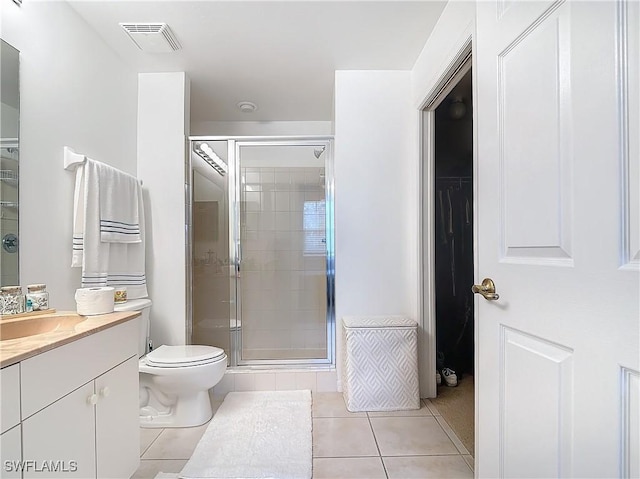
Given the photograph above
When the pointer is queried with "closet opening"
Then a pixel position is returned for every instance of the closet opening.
(453, 256)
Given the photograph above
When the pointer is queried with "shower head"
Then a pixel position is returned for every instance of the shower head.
(318, 151)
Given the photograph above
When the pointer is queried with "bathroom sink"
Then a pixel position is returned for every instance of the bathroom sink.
(26, 327)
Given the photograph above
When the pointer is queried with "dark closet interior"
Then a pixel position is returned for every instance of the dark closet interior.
(454, 229)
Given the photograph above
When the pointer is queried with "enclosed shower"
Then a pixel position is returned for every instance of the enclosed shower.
(261, 242)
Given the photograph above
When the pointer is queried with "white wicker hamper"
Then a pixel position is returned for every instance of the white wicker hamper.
(380, 359)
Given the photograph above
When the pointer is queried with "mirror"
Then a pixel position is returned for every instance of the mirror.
(10, 153)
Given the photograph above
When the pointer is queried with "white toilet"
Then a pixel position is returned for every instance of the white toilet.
(174, 380)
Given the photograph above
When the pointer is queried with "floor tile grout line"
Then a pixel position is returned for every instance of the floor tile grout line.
(455, 439)
(151, 443)
(375, 439)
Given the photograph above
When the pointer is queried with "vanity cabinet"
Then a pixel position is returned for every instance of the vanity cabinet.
(89, 430)
(79, 407)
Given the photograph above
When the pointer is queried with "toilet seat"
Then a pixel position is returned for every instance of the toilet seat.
(183, 356)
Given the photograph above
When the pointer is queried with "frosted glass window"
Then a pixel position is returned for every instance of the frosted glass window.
(314, 227)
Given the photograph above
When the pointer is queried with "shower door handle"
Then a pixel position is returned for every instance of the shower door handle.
(487, 289)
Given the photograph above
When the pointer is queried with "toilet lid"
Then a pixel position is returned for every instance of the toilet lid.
(180, 356)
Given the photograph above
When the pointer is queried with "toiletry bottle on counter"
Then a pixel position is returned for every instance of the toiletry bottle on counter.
(12, 300)
(39, 296)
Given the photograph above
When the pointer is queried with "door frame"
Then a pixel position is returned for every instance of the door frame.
(458, 62)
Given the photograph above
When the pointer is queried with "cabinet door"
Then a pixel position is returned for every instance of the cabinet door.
(60, 439)
(118, 422)
(10, 454)
(9, 397)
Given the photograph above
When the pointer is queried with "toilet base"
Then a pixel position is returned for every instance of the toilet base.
(185, 410)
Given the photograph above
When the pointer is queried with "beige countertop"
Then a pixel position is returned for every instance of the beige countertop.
(69, 327)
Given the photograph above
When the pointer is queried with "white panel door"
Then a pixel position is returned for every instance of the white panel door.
(558, 352)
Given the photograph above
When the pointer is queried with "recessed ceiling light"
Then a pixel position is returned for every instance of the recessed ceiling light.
(247, 106)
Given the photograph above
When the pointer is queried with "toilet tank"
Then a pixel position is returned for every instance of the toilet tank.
(144, 306)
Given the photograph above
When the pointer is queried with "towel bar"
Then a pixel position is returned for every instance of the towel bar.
(72, 160)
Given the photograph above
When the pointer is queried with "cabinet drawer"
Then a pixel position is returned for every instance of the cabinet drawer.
(9, 396)
(50, 375)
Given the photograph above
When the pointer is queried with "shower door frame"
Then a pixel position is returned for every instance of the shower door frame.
(236, 253)
(234, 144)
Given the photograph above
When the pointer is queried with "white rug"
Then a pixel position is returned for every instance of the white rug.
(261, 434)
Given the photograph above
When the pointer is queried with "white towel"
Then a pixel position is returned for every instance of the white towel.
(78, 218)
(105, 264)
(119, 220)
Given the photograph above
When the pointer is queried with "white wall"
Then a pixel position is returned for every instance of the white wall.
(376, 196)
(74, 91)
(163, 126)
(261, 128)
(454, 26)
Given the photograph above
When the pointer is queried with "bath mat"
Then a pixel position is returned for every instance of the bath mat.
(258, 434)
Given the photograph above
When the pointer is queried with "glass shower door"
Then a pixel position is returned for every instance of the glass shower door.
(210, 286)
(283, 289)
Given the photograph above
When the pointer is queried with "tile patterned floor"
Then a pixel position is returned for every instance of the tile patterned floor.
(396, 445)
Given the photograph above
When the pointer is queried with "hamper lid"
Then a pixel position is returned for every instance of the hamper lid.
(378, 322)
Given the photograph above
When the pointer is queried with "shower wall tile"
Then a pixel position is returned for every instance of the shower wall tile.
(316, 381)
(282, 222)
(252, 177)
(282, 179)
(326, 381)
(268, 200)
(266, 221)
(252, 280)
(265, 381)
(306, 381)
(268, 278)
(245, 382)
(296, 220)
(282, 242)
(314, 263)
(282, 280)
(285, 381)
(297, 176)
(316, 339)
(267, 176)
(297, 279)
(252, 201)
(251, 221)
(249, 262)
(282, 201)
(298, 338)
(296, 260)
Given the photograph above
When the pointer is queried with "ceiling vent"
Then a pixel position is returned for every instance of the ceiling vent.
(152, 37)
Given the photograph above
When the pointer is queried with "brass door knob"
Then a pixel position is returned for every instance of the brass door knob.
(487, 289)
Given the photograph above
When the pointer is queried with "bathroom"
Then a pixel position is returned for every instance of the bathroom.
(142, 136)
(136, 133)
(79, 90)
